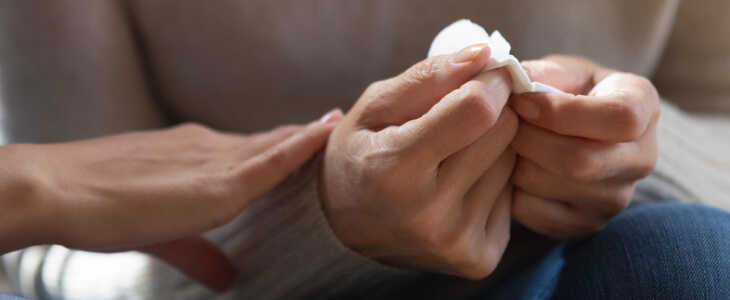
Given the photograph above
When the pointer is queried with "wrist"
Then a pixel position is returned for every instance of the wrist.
(26, 216)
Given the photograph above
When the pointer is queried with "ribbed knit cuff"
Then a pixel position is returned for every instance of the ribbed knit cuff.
(284, 247)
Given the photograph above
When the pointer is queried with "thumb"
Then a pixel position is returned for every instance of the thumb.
(198, 258)
(412, 93)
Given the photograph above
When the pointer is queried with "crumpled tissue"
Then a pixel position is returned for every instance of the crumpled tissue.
(464, 33)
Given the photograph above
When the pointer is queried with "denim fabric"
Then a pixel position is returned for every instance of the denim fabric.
(10, 297)
(653, 251)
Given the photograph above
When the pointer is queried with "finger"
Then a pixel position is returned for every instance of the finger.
(497, 228)
(457, 120)
(412, 93)
(246, 146)
(607, 198)
(480, 198)
(463, 168)
(265, 140)
(570, 74)
(619, 109)
(486, 240)
(272, 166)
(199, 259)
(584, 160)
(552, 218)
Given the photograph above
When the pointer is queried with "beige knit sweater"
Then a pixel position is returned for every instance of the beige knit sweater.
(84, 68)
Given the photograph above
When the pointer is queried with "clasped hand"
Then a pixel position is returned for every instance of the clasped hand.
(425, 172)
(427, 169)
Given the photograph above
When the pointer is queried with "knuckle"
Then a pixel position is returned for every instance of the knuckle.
(619, 201)
(628, 116)
(482, 268)
(648, 92)
(424, 71)
(378, 92)
(478, 262)
(646, 169)
(477, 270)
(453, 252)
(581, 165)
(375, 87)
(479, 108)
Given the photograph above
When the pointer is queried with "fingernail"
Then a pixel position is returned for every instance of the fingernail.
(526, 108)
(468, 54)
(332, 116)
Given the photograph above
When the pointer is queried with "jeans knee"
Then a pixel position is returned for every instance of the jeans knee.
(654, 251)
(671, 222)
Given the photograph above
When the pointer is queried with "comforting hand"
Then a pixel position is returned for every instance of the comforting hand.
(417, 174)
(580, 154)
(155, 191)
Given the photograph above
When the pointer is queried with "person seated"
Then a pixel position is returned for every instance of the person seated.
(437, 169)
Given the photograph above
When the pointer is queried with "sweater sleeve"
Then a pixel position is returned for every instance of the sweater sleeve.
(693, 163)
(284, 247)
(694, 128)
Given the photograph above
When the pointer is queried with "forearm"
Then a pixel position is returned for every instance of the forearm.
(282, 246)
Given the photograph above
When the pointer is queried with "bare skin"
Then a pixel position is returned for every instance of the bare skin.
(416, 175)
(425, 172)
(581, 154)
(153, 191)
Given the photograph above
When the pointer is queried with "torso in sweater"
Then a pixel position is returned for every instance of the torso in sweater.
(250, 65)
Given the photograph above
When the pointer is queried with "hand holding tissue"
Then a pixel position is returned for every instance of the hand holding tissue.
(464, 33)
(593, 137)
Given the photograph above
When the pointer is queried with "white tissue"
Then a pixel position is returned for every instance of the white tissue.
(464, 33)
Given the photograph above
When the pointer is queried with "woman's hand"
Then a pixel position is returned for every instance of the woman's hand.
(417, 175)
(580, 154)
(155, 191)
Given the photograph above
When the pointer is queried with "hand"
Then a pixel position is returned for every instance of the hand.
(580, 154)
(417, 174)
(156, 191)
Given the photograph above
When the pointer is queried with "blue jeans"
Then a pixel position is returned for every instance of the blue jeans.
(652, 251)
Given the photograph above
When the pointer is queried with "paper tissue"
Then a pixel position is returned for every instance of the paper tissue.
(464, 33)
